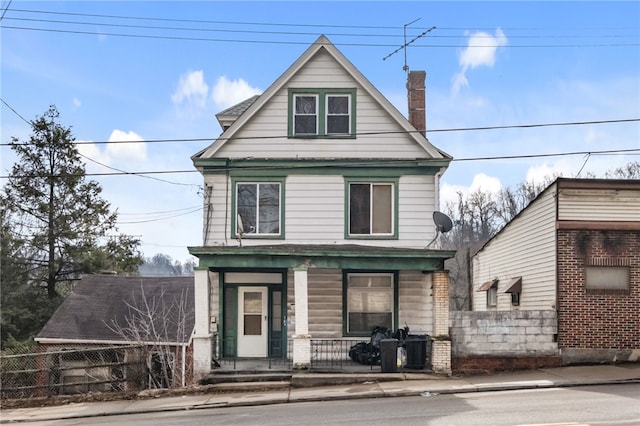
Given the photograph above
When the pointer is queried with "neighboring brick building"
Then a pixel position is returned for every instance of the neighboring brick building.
(574, 250)
(599, 318)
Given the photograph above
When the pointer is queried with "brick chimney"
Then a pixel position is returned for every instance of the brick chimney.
(417, 100)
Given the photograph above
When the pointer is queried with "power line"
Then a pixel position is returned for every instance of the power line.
(380, 133)
(5, 10)
(297, 33)
(133, 222)
(284, 24)
(363, 164)
(289, 42)
(134, 174)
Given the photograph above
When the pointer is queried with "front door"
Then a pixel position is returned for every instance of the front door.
(252, 321)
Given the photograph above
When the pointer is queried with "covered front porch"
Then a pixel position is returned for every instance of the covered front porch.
(303, 307)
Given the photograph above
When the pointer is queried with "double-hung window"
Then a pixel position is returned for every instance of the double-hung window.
(370, 302)
(258, 208)
(305, 116)
(371, 209)
(322, 113)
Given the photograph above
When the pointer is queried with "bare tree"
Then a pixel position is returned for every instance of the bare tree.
(160, 323)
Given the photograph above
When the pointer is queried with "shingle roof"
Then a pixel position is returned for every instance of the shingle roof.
(238, 109)
(100, 301)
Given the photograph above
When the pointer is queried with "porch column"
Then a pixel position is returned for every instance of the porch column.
(441, 350)
(202, 337)
(301, 338)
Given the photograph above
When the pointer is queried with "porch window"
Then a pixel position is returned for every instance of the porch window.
(369, 302)
(258, 207)
(371, 209)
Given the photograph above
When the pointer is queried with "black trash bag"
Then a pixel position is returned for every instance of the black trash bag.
(368, 353)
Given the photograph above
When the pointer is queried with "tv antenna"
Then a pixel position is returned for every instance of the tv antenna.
(405, 68)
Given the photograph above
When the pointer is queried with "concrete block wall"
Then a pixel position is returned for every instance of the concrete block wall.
(503, 340)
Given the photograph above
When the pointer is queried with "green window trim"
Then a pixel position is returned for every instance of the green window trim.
(234, 209)
(321, 125)
(347, 208)
(345, 303)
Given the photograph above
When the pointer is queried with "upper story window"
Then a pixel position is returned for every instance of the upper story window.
(258, 207)
(322, 112)
(371, 209)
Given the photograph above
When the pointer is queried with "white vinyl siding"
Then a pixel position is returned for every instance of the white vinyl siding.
(315, 212)
(526, 247)
(599, 205)
(265, 136)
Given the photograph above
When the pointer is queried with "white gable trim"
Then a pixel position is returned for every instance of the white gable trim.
(322, 43)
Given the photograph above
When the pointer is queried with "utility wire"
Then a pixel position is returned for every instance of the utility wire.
(381, 133)
(306, 43)
(132, 222)
(5, 10)
(632, 151)
(135, 174)
(96, 161)
(284, 24)
(297, 33)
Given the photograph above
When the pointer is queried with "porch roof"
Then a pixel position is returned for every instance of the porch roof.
(351, 256)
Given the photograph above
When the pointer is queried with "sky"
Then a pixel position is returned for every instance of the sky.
(157, 72)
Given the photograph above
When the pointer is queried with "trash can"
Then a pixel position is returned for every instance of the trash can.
(389, 355)
(416, 345)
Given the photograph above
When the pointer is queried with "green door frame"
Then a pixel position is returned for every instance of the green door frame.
(228, 313)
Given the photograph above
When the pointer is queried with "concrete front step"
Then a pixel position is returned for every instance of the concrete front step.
(249, 386)
(245, 377)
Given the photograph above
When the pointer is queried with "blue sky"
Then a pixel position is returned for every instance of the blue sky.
(143, 71)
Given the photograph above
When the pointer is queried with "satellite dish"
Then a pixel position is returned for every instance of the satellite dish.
(442, 221)
(443, 225)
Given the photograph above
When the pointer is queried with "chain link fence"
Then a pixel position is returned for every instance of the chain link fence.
(66, 371)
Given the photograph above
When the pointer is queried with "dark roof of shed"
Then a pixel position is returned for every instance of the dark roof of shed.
(100, 301)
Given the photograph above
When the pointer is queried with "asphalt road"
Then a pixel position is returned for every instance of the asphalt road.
(589, 405)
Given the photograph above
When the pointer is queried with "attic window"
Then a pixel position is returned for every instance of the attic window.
(322, 113)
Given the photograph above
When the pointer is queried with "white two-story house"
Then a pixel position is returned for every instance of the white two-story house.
(318, 207)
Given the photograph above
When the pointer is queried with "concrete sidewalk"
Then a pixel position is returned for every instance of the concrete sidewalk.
(364, 386)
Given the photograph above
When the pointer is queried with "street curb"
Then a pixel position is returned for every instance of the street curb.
(365, 395)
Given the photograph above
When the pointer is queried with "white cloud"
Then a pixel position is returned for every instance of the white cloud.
(485, 183)
(191, 89)
(76, 103)
(120, 155)
(128, 150)
(480, 182)
(480, 51)
(230, 92)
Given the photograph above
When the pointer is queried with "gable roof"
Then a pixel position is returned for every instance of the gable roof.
(99, 302)
(323, 43)
(231, 114)
(561, 182)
